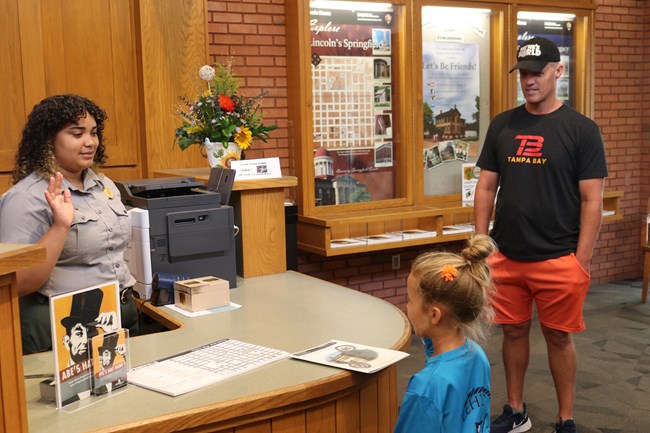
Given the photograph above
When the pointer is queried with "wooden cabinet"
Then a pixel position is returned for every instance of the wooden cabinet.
(134, 59)
(71, 46)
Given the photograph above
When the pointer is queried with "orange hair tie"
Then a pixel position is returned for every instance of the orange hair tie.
(448, 273)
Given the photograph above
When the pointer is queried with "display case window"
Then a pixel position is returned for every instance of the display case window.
(456, 93)
(355, 132)
(559, 28)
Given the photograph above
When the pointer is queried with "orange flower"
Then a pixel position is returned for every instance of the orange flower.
(226, 103)
(448, 273)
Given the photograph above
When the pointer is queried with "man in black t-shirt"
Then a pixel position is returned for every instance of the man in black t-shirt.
(545, 164)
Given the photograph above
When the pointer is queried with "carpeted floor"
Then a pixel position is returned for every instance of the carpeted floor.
(613, 391)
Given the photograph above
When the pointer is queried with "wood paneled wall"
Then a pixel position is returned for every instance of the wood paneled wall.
(132, 57)
(173, 47)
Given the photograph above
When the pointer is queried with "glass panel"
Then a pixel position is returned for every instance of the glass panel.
(558, 27)
(456, 95)
(354, 98)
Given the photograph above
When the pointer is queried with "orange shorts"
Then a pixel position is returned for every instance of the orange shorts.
(558, 287)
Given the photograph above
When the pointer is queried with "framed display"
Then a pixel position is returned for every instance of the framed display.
(559, 28)
(457, 53)
(354, 131)
(391, 105)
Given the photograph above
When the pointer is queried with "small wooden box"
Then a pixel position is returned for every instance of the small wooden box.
(201, 293)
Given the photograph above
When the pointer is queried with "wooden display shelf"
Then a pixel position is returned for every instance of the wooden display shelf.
(612, 203)
(316, 233)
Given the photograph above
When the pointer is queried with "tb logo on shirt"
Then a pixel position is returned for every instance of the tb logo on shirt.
(529, 145)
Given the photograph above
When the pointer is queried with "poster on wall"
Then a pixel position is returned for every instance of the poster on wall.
(559, 29)
(455, 92)
(352, 103)
(451, 89)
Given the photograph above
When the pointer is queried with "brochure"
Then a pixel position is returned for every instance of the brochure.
(414, 234)
(380, 238)
(351, 356)
(77, 317)
(468, 184)
(109, 358)
(345, 242)
(457, 229)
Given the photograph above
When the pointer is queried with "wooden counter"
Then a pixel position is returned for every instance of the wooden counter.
(288, 311)
(13, 257)
(259, 214)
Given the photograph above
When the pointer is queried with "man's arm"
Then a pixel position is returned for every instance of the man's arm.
(486, 190)
(591, 215)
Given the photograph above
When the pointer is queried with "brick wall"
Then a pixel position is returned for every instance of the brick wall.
(253, 32)
(620, 100)
(645, 126)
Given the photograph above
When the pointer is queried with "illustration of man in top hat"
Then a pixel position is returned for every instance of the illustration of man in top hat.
(109, 376)
(83, 323)
(109, 349)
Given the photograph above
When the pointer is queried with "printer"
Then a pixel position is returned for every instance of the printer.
(178, 228)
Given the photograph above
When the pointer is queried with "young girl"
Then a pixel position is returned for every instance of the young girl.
(449, 308)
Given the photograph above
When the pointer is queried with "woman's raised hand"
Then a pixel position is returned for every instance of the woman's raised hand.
(60, 203)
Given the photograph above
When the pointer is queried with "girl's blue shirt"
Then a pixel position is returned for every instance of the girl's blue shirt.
(451, 394)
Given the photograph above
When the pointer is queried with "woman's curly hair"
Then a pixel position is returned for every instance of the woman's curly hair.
(51, 115)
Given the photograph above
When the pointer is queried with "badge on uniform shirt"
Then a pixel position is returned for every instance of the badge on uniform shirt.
(108, 193)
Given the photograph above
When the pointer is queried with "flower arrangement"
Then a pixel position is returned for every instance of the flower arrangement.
(220, 115)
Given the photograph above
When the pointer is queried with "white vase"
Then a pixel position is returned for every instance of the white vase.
(216, 153)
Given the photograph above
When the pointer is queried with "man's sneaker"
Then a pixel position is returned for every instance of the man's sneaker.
(568, 426)
(511, 422)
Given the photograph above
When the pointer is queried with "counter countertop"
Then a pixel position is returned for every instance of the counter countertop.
(288, 311)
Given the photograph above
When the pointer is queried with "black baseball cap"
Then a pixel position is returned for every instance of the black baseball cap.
(534, 54)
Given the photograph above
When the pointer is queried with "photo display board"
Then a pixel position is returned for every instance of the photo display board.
(557, 27)
(353, 106)
(455, 91)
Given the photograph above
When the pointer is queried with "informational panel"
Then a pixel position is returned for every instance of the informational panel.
(352, 102)
(559, 29)
(456, 93)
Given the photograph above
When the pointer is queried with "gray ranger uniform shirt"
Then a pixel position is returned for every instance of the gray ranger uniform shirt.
(94, 249)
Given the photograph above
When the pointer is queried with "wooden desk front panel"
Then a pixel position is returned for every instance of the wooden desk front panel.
(368, 407)
(261, 247)
(13, 413)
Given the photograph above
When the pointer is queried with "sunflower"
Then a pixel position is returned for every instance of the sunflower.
(243, 137)
(228, 158)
